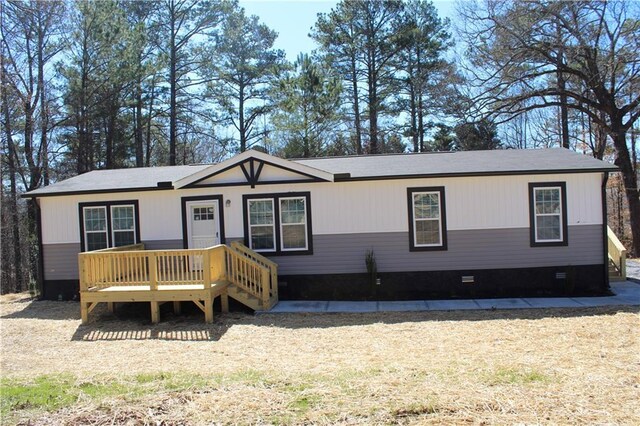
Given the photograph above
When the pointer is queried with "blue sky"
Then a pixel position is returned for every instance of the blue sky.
(293, 19)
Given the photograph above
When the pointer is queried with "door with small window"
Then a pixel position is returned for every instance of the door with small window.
(203, 225)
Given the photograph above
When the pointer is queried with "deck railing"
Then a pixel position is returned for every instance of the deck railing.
(617, 254)
(270, 291)
(134, 266)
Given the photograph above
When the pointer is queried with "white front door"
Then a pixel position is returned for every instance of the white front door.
(203, 225)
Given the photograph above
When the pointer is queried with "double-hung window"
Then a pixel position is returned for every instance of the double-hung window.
(95, 228)
(262, 225)
(278, 223)
(548, 213)
(108, 224)
(427, 219)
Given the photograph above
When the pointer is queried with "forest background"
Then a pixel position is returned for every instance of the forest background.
(107, 84)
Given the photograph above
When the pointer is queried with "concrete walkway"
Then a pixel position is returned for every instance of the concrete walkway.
(626, 293)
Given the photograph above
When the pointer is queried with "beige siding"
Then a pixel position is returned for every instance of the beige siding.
(499, 202)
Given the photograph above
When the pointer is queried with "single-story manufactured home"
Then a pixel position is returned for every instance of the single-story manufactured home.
(438, 225)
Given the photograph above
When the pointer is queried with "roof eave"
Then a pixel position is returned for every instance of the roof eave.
(477, 174)
(35, 194)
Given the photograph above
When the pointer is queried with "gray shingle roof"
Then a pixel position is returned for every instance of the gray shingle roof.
(118, 180)
(499, 162)
(508, 161)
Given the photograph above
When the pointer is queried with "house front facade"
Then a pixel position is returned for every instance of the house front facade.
(465, 224)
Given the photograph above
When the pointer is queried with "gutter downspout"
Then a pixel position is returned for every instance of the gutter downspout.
(605, 237)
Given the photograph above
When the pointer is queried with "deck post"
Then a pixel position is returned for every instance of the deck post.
(177, 307)
(111, 306)
(155, 312)
(266, 293)
(224, 302)
(208, 308)
(206, 268)
(84, 312)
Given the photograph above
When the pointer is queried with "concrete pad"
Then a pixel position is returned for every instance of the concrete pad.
(626, 300)
(349, 306)
(300, 306)
(502, 303)
(552, 302)
(626, 288)
(451, 305)
(594, 302)
(402, 306)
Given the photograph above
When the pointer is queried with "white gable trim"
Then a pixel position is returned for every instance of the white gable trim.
(256, 155)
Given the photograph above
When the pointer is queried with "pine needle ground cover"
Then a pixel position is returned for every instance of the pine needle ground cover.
(474, 367)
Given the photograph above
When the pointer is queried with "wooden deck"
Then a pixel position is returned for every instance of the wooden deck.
(132, 274)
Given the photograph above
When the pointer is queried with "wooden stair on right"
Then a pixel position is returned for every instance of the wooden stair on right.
(245, 298)
(617, 257)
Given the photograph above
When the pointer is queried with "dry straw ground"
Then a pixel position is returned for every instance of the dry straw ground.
(579, 366)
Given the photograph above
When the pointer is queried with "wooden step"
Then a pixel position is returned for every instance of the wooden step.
(245, 298)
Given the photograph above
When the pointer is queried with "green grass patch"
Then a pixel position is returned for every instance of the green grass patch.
(172, 381)
(51, 392)
(513, 376)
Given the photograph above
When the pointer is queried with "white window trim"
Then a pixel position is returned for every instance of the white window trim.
(273, 225)
(86, 232)
(306, 239)
(113, 230)
(536, 215)
(415, 219)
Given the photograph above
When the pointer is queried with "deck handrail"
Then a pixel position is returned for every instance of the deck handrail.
(266, 263)
(99, 269)
(250, 275)
(617, 253)
(239, 246)
(129, 247)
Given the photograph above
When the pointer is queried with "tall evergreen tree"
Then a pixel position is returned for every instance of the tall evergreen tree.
(373, 41)
(245, 65)
(308, 110)
(420, 67)
(98, 72)
(480, 135)
(183, 23)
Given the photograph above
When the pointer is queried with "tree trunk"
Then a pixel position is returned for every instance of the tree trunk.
(420, 122)
(109, 130)
(414, 117)
(44, 113)
(82, 165)
(629, 178)
(149, 121)
(241, 123)
(138, 125)
(356, 105)
(564, 110)
(373, 103)
(14, 242)
(173, 88)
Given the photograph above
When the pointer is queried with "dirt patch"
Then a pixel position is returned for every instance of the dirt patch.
(525, 366)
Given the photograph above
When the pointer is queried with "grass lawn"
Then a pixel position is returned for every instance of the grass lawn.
(556, 366)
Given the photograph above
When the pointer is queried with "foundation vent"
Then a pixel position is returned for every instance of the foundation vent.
(561, 275)
(468, 279)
